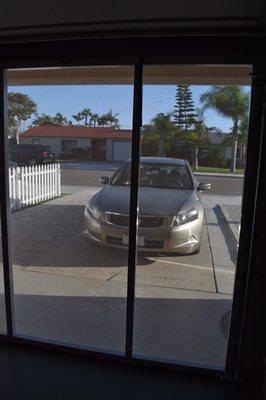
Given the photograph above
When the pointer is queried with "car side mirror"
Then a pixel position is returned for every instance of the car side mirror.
(204, 186)
(104, 180)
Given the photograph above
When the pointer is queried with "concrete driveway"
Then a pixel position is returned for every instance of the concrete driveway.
(49, 238)
(70, 291)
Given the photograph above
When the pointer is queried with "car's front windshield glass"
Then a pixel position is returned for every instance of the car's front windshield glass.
(160, 175)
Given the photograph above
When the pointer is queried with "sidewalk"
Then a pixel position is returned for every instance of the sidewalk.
(92, 165)
(169, 324)
(219, 174)
(222, 214)
(232, 214)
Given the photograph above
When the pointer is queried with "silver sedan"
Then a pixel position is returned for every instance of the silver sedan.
(170, 215)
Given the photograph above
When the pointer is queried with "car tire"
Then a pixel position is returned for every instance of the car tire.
(32, 161)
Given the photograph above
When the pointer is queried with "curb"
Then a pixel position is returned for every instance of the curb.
(234, 231)
(219, 174)
(223, 249)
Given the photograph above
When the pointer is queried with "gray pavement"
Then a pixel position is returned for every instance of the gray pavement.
(223, 248)
(232, 214)
(48, 238)
(71, 175)
(221, 174)
(91, 166)
(223, 261)
(170, 324)
(70, 291)
(223, 186)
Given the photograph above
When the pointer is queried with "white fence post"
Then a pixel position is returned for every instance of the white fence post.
(23, 198)
(58, 180)
(17, 179)
(33, 184)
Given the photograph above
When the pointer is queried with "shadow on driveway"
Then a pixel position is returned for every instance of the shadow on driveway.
(185, 330)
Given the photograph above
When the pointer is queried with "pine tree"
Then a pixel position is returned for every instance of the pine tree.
(184, 114)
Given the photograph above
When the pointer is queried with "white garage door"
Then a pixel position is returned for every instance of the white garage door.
(121, 150)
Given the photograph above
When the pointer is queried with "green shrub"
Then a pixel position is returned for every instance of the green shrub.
(212, 157)
(150, 146)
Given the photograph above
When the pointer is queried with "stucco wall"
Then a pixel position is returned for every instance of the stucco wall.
(56, 143)
(109, 150)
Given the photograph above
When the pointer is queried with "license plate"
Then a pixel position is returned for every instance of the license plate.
(140, 240)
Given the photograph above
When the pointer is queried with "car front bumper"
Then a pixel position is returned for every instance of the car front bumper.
(183, 239)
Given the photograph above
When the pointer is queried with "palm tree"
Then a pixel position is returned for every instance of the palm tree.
(94, 119)
(78, 117)
(60, 119)
(162, 125)
(103, 120)
(100, 120)
(112, 118)
(44, 119)
(86, 113)
(229, 102)
(200, 134)
(116, 123)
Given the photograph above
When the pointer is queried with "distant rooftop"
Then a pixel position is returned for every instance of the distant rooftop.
(76, 131)
(217, 138)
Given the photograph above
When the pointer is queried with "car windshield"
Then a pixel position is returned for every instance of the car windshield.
(160, 175)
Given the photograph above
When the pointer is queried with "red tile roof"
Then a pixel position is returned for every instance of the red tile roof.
(76, 131)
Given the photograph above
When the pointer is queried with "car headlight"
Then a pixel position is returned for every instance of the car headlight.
(185, 217)
(95, 212)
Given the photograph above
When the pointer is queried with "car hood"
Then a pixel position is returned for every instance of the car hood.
(151, 200)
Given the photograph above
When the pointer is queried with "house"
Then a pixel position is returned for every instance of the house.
(218, 141)
(100, 144)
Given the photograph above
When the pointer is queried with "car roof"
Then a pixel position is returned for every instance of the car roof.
(161, 160)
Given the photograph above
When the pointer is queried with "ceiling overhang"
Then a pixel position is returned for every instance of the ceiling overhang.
(123, 75)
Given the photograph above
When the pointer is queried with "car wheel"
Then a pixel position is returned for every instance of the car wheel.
(32, 161)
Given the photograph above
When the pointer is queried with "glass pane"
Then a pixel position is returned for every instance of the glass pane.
(70, 129)
(193, 147)
(3, 329)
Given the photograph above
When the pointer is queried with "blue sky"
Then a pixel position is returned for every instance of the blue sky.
(100, 98)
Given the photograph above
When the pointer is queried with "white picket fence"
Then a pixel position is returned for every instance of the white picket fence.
(33, 184)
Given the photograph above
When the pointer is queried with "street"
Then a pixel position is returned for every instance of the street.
(81, 175)
(224, 186)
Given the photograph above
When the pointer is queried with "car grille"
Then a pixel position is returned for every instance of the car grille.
(150, 222)
(114, 240)
(149, 244)
(118, 219)
(144, 222)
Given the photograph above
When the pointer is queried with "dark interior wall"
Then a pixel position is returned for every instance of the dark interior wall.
(23, 14)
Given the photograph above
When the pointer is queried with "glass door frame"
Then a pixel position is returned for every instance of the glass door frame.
(250, 197)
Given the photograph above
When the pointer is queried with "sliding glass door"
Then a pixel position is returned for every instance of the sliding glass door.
(69, 131)
(125, 203)
(193, 152)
